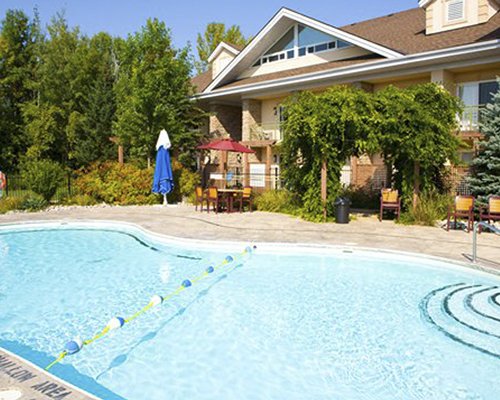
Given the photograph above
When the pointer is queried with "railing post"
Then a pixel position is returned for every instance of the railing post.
(474, 237)
(474, 242)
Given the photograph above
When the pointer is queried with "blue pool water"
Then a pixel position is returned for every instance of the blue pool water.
(280, 326)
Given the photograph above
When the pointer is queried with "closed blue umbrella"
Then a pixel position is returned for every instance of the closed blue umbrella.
(163, 180)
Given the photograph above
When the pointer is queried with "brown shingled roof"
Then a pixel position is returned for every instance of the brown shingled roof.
(201, 81)
(405, 32)
(302, 70)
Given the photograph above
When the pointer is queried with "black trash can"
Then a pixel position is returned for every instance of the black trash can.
(342, 209)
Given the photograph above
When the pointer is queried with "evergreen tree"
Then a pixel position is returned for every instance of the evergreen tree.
(18, 45)
(485, 177)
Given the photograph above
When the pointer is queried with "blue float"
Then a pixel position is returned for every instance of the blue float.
(73, 346)
(229, 259)
(210, 269)
(186, 283)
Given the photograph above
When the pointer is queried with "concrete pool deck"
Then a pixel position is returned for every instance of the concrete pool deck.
(365, 231)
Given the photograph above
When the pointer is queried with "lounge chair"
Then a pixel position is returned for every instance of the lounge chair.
(390, 200)
(463, 207)
(492, 212)
(246, 197)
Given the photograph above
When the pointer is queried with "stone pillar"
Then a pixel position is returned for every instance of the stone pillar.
(251, 115)
(445, 79)
(246, 170)
(225, 121)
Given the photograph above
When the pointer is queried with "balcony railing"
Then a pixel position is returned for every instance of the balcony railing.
(471, 118)
(270, 131)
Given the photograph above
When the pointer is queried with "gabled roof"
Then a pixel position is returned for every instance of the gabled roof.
(223, 46)
(201, 81)
(405, 32)
(282, 21)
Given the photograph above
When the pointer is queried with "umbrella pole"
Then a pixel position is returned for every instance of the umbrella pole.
(165, 201)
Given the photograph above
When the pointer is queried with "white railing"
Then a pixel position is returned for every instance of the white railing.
(470, 118)
(477, 226)
(271, 131)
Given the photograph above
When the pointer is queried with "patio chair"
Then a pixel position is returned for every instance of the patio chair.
(200, 198)
(492, 212)
(246, 197)
(215, 199)
(390, 200)
(463, 207)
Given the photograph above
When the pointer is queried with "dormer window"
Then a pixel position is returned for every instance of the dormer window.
(455, 10)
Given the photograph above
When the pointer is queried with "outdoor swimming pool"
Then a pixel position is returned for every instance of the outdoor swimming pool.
(286, 324)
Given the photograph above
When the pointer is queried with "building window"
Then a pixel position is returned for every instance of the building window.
(475, 95)
(455, 10)
(308, 41)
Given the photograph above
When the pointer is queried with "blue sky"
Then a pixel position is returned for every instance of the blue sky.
(186, 18)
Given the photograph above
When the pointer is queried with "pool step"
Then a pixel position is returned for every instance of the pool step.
(467, 314)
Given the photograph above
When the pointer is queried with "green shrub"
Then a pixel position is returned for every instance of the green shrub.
(188, 181)
(282, 201)
(33, 202)
(43, 177)
(432, 207)
(113, 183)
(81, 200)
(10, 203)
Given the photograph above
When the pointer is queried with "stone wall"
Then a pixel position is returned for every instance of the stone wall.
(369, 173)
(225, 121)
(251, 115)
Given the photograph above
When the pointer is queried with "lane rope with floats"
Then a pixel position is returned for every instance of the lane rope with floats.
(77, 344)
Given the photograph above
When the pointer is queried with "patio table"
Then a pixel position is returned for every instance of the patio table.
(229, 195)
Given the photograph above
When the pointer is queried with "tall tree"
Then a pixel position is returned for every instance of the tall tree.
(215, 33)
(153, 93)
(70, 120)
(416, 133)
(18, 45)
(321, 132)
(485, 178)
(54, 116)
(98, 104)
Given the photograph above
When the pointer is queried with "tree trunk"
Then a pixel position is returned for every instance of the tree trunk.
(324, 192)
(416, 183)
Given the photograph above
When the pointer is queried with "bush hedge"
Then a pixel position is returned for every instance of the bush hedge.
(43, 177)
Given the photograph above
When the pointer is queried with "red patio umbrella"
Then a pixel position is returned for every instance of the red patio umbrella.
(226, 145)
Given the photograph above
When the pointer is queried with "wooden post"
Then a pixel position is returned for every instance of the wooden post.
(416, 183)
(246, 170)
(120, 154)
(324, 187)
(116, 140)
(269, 157)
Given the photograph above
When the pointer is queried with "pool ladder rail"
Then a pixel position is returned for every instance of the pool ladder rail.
(477, 225)
(75, 345)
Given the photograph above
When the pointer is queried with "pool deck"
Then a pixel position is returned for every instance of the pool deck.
(22, 380)
(365, 231)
